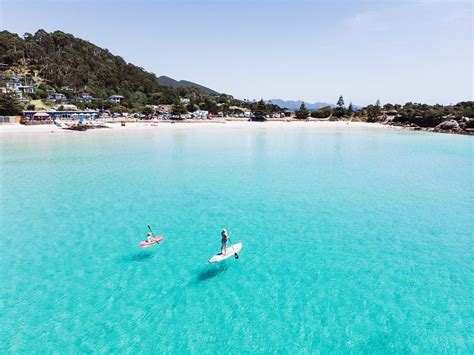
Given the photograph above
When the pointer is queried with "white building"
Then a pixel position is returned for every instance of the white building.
(116, 98)
(56, 96)
(26, 89)
(85, 97)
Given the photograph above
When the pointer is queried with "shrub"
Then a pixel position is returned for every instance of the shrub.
(323, 112)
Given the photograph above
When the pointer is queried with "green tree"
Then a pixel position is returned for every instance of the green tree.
(340, 109)
(373, 113)
(209, 105)
(41, 93)
(118, 109)
(138, 99)
(302, 113)
(340, 102)
(468, 112)
(350, 109)
(260, 110)
(191, 107)
(9, 105)
(147, 111)
(178, 108)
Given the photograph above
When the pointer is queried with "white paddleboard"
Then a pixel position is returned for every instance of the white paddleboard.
(229, 252)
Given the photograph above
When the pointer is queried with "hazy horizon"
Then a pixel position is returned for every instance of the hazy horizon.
(419, 51)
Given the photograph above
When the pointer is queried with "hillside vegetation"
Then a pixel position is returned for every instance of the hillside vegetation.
(64, 60)
(59, 62)
(167, 81)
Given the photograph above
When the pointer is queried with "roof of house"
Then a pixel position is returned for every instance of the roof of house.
(41, 114)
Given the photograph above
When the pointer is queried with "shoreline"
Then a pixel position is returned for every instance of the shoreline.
(17, 128)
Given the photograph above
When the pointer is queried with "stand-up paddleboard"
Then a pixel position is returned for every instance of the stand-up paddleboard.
(155, 240)
(235, 248)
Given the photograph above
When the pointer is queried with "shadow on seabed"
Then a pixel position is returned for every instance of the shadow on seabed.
(211, 272)
(140, 256)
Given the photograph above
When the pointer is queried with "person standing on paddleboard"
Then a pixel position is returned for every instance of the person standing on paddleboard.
(224, 238)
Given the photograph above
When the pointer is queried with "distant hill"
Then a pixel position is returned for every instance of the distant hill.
(59, 59)
(294, 105)
(167, 81)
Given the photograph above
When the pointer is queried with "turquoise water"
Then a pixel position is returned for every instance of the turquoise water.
(354, 241)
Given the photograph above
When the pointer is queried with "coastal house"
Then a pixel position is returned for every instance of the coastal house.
(26, 89)
(184, 100)
(12, 88)
(116, 98)
(67, 88)
(84, 97)
(288, 113)
(3, 66)
(18, 94)
(56, 96)
(14, 82)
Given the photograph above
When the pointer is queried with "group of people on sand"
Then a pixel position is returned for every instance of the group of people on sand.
(224, 238)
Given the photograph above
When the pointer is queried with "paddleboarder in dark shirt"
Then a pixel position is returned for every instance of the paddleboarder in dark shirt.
(224, 238)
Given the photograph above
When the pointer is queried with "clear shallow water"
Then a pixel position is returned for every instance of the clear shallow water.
(353, 241)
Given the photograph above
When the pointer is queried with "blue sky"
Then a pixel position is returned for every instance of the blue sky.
(395, 51)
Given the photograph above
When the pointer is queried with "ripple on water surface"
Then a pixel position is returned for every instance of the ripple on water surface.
(353, 241)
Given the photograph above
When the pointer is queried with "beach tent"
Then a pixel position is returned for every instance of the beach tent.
(41, 116)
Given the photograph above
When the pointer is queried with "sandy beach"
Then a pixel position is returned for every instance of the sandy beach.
(177, 125)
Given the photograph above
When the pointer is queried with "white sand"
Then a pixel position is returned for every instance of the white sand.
(132, 126)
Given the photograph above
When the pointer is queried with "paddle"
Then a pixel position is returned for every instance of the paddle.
(153, 234)
(235, 254)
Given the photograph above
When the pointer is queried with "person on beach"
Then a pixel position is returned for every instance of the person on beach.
(224, 238)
